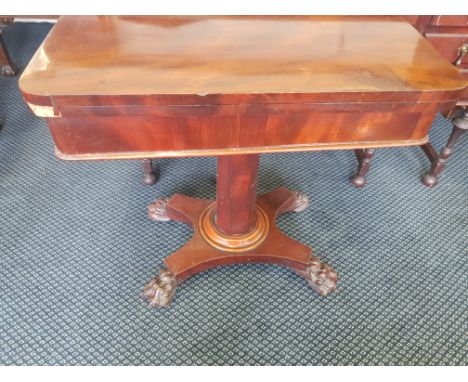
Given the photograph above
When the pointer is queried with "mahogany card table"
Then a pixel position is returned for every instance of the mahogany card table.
(235, 87)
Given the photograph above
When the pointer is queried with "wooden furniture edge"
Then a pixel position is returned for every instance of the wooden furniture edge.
(236, 151)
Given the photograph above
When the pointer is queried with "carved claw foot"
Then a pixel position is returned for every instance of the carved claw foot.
(300, 203)
(322, 277)
(161, 290)
(7, 71)
(157, 210)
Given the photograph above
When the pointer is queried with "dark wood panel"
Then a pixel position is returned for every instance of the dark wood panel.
(450, 21)
(448, 45)
(236, 193)
(240, 127)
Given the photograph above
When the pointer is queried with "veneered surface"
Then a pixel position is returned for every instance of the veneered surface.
(172, 55)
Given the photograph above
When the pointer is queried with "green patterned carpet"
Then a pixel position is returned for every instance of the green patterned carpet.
(76, 248)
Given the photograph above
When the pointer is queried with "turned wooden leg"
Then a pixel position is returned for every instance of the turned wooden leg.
(6, 65)
(364, 158)
(150, 174)
(438, 162)
(236, 228)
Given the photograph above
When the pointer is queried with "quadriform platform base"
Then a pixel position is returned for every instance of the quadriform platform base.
(125, 87)
(210, 247)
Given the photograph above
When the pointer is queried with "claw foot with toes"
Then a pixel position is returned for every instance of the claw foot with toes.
(301, 202)
(322, 277)
(161, 290)
(157, 210)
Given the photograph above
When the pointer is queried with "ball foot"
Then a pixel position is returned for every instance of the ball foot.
(358, 181)
(150, 174)
(149, 179)
(429, 180)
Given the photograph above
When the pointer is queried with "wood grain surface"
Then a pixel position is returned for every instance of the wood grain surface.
(111, 55)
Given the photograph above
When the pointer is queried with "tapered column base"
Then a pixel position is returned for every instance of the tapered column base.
(209, 248)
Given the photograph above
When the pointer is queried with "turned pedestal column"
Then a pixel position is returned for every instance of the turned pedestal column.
(238, 227)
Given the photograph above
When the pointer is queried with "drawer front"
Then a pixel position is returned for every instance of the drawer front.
(448, 45)
(450, 21)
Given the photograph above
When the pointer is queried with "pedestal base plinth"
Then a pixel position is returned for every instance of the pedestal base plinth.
(209, 248)
(233, 243)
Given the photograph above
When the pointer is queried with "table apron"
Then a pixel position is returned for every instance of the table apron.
(216, 130)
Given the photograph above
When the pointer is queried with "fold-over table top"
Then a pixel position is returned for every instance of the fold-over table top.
(235, 58)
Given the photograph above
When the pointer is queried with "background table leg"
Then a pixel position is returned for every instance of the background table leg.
(438, 162)
(365, 158)
(150, 174)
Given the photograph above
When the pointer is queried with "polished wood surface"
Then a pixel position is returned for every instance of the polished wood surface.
(449, 35)
(243, 56)
(449, 45)
(450, 20)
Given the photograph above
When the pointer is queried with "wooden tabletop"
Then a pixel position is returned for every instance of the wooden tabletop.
(199, 56)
